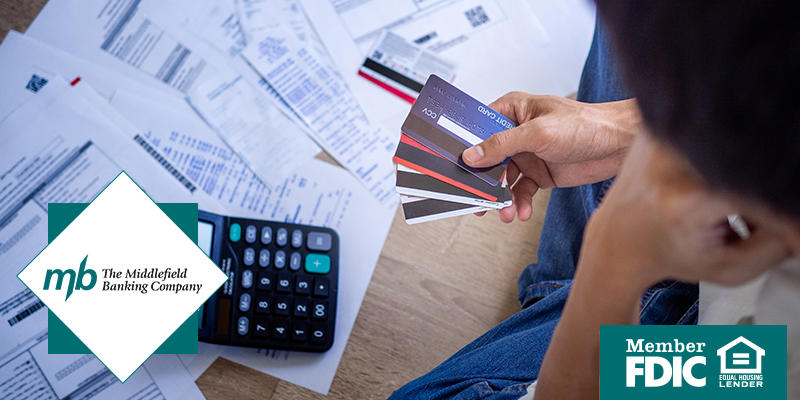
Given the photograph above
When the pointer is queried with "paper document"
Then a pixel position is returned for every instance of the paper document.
(119, 35)
(403, 67)
(260, 16)
(68, 153)
(28, 64)
(199, 153)
(481, 36)
(325, 104)
(212, 21)
(317, 194)
(270, 142)
(29, 371)
(362, 224)
(35, 61)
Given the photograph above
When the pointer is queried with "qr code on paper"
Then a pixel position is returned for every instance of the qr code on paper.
(35, 83)
(477, 16)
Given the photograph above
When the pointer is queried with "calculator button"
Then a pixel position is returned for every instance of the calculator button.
(294, 262)
(319, 333)
(300, 308)
(244, 303)
(321, 287)
(265, 281)
(280, 259)
(319, 241)
(297, 238)
(249, 256)
(243, 326)
(261, 327)
(299, 329)
(282, 306)
(250, 234)
(320, 311)
(280, 329)
(235, 232)
(318, 264)
(266, 235)
(302, 285)
(283, 237)
(263, 258)
(263, 304)
(247, 279)
(284, 284)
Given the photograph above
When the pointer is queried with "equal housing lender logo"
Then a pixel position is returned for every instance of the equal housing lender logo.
(693, 362)
(122, 277)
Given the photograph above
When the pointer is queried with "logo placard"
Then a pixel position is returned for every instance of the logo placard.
(693, 362)
(121, 278)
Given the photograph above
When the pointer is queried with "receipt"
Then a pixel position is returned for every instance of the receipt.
(321, 99)
(214, 22)
(269, 141)
(259, 16)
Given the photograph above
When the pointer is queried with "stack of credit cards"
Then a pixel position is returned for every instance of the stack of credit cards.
(432, 178)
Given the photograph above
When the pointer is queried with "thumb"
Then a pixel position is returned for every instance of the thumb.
(497, 148)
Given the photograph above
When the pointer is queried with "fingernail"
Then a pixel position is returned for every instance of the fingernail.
(473, 154)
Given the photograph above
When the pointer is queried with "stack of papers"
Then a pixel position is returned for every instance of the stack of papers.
(432, 176)
(226, 103)
(161, 90)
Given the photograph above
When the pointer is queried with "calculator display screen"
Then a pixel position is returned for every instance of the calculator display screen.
(205, 238)
(205, 235)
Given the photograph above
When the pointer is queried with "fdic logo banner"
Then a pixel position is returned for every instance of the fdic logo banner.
(122, 277)
(693, 362)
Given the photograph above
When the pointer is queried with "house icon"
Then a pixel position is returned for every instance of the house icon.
(745, 357)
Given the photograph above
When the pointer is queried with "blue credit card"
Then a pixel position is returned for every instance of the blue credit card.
(449, 121)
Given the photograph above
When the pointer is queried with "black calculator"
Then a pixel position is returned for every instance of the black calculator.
(281, 287)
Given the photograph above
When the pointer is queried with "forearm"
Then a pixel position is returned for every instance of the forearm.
(599, 296)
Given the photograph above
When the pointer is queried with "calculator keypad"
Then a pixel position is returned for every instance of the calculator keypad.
(280, 259)
(283, 236)
(285, 294)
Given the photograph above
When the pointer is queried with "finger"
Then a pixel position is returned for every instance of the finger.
(534, 168)
(510, 105)
(507, 214)
(512, 173)
(521, 107)
(524, 190)
(480, 213)
(498, 147)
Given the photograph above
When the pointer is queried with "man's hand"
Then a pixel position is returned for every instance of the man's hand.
(558, 143)
(659, 220)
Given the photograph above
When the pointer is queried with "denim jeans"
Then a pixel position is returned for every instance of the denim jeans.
(504, 361)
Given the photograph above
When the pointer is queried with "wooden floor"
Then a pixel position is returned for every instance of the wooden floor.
(437, 286)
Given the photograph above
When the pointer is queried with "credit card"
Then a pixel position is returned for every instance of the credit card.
(449, 121)
(414, 183)
(420, 158)
(417, 210)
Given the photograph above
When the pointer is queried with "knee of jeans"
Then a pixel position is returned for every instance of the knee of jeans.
(484, 390)
(539, 290)
(480, 390)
